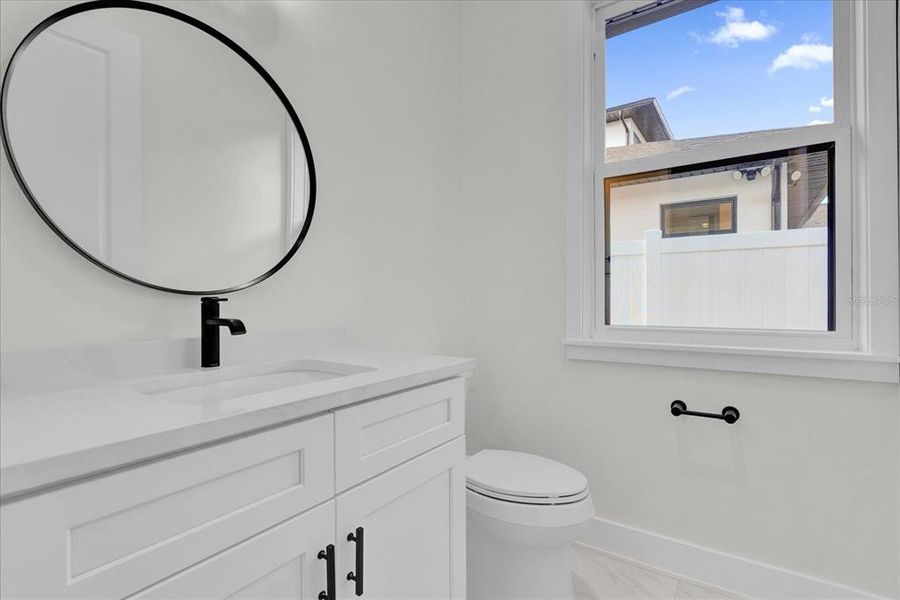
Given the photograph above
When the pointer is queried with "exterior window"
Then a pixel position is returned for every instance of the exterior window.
(742, 243)
(730, 184)
(700, 217)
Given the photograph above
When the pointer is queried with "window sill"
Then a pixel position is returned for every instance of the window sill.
(857, 366)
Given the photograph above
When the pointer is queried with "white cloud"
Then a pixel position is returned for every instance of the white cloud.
(817, 108)
(680, 91)
(802, 56)
(738, 29)
(818, 122)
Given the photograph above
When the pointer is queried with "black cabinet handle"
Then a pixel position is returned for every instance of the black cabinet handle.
(328, 556)
(729, 414)
(357, 575)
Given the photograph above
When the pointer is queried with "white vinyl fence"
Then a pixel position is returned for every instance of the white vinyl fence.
(763, 279)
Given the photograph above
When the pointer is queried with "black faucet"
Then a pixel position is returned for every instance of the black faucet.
(209, 330)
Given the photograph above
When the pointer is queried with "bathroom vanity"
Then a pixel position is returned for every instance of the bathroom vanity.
(266, 478)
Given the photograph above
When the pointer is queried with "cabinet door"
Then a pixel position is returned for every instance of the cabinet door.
(280, 563)
(414, 528)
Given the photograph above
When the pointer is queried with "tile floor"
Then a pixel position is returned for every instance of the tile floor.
(598, 575)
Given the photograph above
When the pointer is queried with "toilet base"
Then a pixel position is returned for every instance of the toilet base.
(511, 566)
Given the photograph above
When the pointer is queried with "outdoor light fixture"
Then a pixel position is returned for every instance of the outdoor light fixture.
(796, 175)
(750, 174)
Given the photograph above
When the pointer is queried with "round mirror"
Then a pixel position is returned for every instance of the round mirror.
(157, 147)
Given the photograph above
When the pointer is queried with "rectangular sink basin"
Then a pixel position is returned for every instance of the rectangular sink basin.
(227, 383)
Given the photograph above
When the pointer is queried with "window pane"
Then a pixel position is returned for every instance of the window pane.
(702, 217)
(725, 68)
(744, 243)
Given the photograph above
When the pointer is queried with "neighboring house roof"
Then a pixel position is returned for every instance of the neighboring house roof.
(618, 153)
(805, 197)
(647, 115)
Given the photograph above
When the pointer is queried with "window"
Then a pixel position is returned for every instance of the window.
(700, 217)
(714, 73)
(724, 219)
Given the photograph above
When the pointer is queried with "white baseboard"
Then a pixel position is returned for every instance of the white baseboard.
(726, 571)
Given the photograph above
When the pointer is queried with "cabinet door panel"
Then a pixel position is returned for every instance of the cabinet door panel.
(280, 563)
(413, 517)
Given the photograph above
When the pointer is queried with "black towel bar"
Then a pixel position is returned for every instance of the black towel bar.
(729, 414)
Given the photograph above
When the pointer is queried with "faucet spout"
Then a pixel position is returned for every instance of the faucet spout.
(235, 326)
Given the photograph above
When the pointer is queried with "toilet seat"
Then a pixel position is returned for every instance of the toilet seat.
(537, 500)
(521, 478)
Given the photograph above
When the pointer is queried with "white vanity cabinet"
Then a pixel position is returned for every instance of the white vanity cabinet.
(247, 517)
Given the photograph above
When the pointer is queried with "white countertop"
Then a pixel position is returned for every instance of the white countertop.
(97, 422)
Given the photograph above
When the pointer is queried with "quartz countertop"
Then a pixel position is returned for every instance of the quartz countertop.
(93, 420)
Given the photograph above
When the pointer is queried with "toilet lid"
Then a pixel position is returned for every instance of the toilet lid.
(520, 477)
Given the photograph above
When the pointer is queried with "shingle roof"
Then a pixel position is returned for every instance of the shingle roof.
(653, 148)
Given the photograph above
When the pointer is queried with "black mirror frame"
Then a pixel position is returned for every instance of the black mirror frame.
(162, 10)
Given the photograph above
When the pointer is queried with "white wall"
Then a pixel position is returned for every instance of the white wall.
(808, 480)
(617, 134)
(377, 88)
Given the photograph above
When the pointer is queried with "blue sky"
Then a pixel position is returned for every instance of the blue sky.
(730, 67)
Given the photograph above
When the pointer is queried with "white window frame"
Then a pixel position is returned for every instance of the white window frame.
(866, 342)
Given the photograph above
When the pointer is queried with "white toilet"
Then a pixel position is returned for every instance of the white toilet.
(523, 511)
